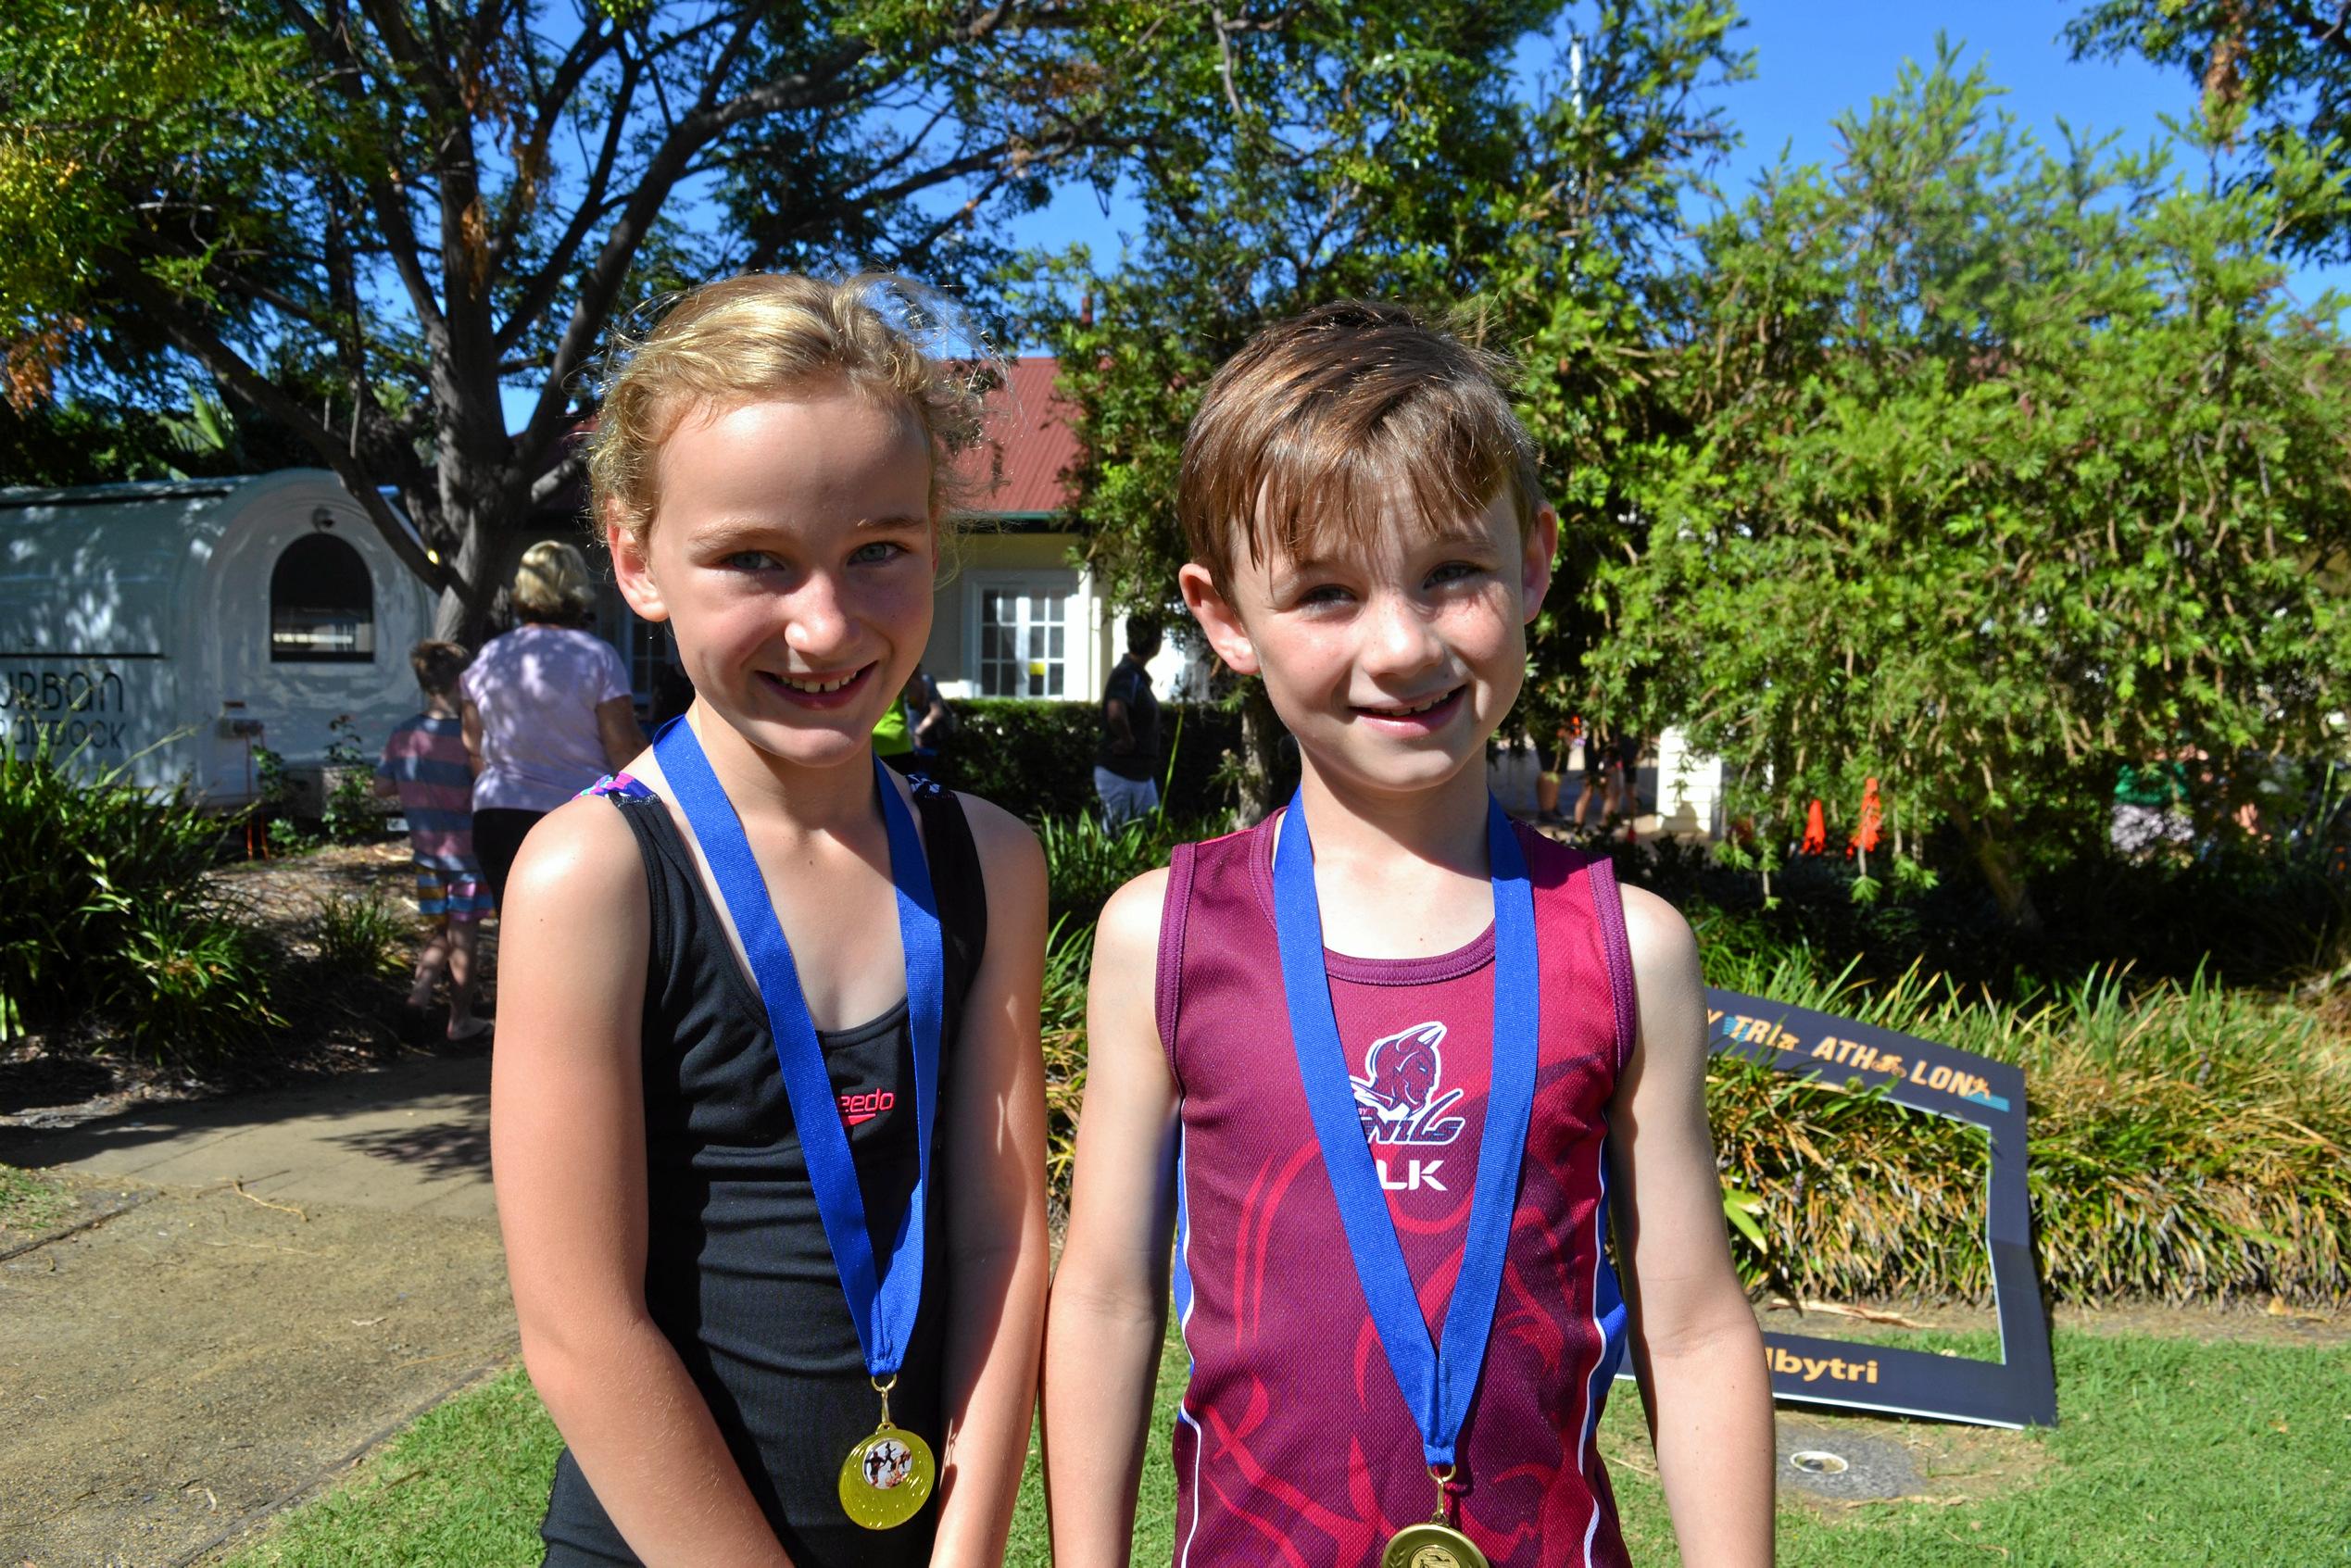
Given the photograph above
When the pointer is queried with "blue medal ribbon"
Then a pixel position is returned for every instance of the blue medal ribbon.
(882, 1305)
(1437, 1380)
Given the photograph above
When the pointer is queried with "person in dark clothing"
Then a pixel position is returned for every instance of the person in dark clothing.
(1126, 763)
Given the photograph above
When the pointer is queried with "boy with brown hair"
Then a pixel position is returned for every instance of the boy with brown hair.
(1399, 1062)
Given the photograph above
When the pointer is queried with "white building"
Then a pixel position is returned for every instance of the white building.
(171, 628)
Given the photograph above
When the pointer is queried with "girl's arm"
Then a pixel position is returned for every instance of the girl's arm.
(1694, 1341)
(1110, 1297)
(994, 1133)
(567, 1145)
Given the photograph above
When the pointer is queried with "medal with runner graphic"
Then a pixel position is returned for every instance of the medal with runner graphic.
(1437, 1377)
(1431, 1546)
(888, 1475)
(1435, 1544)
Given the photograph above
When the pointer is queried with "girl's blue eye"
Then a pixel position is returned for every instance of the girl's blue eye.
(878, 551)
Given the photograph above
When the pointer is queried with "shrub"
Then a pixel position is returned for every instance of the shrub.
(1038, 758)
(107, 912)
(363, 934)
(1086, 862)
(2187, 1142)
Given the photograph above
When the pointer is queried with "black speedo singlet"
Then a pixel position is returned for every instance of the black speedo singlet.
(737, 1272)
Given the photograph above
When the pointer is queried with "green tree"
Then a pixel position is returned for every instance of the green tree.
(367, 221)
(2280, 68)
(2007, 467)
(1415, 174)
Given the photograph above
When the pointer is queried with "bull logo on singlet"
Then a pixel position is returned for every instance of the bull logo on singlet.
(1399, 1098)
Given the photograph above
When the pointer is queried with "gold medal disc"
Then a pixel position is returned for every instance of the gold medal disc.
(888, 1477)
(1431, 1546)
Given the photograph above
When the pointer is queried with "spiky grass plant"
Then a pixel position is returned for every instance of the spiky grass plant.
(2188, 1141)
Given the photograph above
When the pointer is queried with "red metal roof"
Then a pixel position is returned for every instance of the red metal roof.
(1029, 443)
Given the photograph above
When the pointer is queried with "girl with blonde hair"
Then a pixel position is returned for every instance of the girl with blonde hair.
(768, 1116)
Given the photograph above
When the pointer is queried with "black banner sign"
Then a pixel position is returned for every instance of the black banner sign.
(2020, 1389)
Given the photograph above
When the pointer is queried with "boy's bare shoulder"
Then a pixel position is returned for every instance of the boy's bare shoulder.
(1129, 926)
(1659, 937)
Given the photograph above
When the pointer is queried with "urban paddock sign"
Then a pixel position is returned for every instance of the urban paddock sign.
(2020, 1389)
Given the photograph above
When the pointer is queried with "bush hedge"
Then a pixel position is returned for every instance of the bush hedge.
(107, 914)
(1036, 759)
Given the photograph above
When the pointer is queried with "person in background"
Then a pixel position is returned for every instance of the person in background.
(425, 768)
(547, 707)
(1126, 764)
(933, 725)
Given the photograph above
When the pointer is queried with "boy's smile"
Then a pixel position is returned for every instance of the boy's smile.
(792, 552)
(1391, 662)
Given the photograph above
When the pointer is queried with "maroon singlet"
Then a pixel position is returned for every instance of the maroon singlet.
(1292, 1445)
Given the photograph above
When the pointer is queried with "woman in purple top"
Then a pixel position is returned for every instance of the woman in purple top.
(546, 709)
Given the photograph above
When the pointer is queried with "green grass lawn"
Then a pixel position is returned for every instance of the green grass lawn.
(2172, 1451)
(28, 1202)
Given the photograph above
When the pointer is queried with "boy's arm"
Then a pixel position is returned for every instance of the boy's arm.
(1694, 1340)
(567, 1147)
(1108, 1305)
(994, 1135)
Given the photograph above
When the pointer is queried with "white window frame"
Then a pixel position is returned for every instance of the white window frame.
(1068, 585)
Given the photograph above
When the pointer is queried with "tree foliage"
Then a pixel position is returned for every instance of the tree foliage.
(367, 221)
(2007, 466)
(1417, 173)
(2279, 69)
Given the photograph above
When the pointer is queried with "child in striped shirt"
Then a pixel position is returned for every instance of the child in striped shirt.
(425, 767)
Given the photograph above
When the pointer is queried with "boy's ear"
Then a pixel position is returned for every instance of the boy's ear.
(1537, 555)
(633, 567)
(1219, 621)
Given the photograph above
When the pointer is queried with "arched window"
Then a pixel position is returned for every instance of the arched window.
(321, 603)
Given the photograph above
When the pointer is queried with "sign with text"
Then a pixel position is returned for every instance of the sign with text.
(2020, 1389)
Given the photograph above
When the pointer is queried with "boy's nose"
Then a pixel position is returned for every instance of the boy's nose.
(1398, 638)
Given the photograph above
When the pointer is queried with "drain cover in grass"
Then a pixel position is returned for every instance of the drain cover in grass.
(1844, 1464)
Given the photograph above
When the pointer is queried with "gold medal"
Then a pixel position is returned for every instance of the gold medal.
(1431, 1546)
(1434, 1544)
(887, 1476)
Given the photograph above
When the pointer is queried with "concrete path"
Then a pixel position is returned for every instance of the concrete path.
(413, 1138)
(251, 1292)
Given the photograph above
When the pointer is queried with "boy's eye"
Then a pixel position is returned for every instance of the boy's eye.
(748, 560)
(1454, 571)
(875, 552)
(1325, 593)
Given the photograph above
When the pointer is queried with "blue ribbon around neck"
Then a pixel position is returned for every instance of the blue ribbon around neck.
(1437, 1380)
(884, 1305)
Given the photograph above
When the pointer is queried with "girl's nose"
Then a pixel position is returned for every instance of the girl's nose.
(819, 624)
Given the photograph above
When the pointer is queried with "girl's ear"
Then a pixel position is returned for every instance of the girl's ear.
(1538, 553)
(1219, 621)
(632, 567)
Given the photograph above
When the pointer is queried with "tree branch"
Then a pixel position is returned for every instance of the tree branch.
(199, 342)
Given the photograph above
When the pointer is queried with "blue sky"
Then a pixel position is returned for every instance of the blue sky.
(1816, 58)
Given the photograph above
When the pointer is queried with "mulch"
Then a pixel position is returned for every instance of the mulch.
(336, 1023)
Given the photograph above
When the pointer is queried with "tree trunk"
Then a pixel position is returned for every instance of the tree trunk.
(1265, 782)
